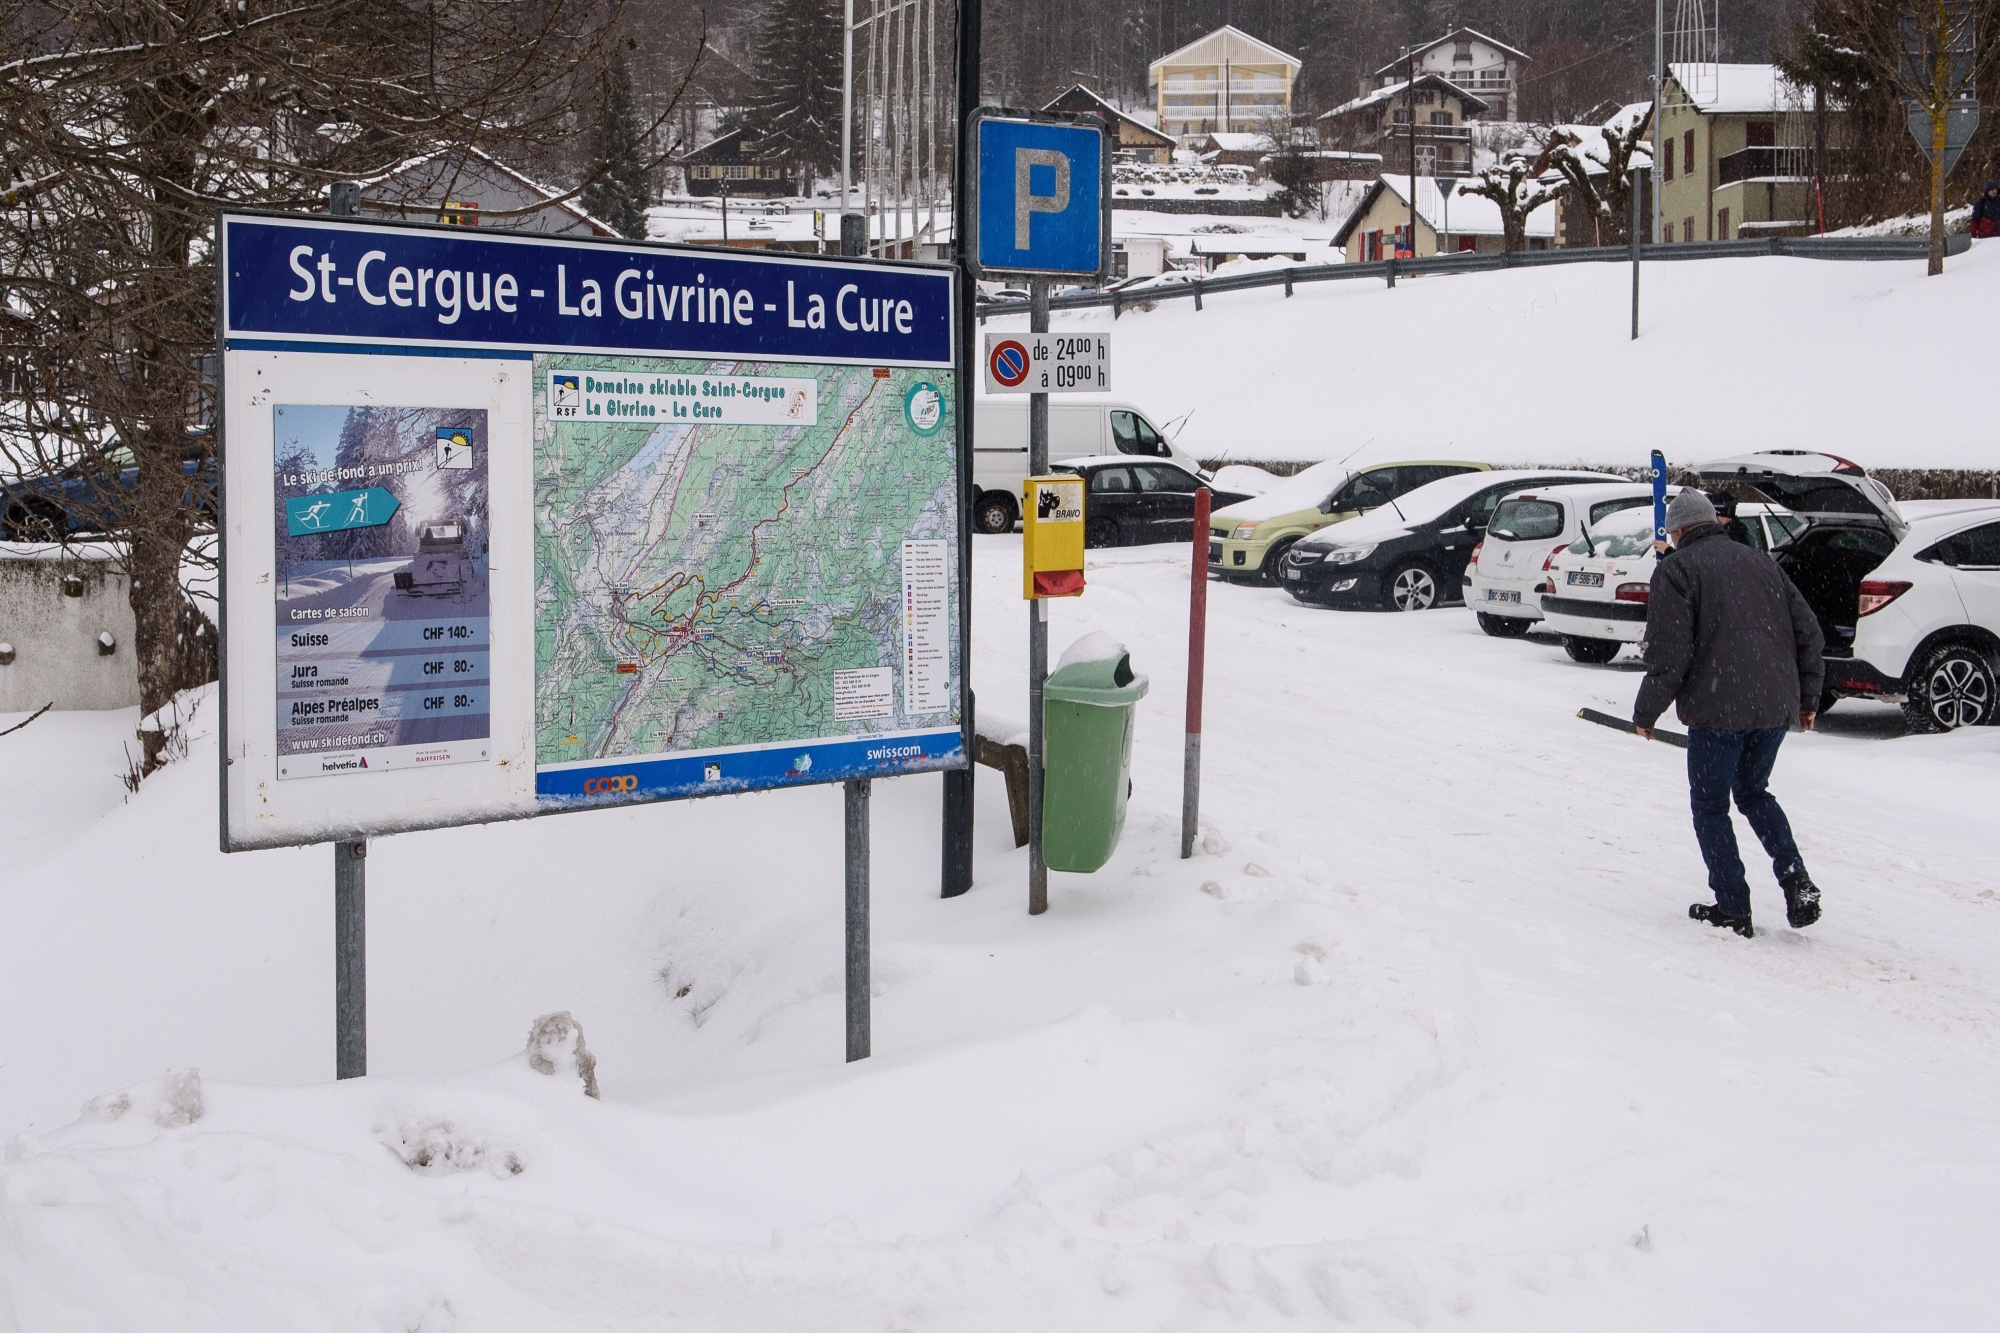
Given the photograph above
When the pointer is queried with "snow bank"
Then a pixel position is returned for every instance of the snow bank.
(1872, 361)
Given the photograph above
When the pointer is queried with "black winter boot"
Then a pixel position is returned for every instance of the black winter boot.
(1716, 917)
(1801, 899)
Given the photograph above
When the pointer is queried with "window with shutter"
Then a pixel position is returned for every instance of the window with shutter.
(1722, 225)
(1687, 153)
(1668, 163)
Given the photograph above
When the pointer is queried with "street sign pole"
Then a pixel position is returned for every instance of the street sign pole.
(350, 870)
(859, 1037)
(955, 875)
(1636, 194)
(1038, 625)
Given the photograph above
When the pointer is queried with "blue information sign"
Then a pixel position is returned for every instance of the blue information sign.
(539, 523)
(1041, 206)
(339, 282)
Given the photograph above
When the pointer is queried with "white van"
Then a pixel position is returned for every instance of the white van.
(1077, 429)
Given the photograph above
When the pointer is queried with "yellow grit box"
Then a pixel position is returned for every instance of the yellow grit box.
(1052, 537)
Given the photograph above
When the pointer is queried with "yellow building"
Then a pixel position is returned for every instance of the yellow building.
(1225, 82)
(1735, 156)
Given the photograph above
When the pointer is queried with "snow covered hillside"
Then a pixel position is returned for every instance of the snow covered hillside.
(1873, 361)
(1422, 1036)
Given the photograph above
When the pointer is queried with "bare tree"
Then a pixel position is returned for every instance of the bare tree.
(127, 124)
(1600, 175)
(1519, 185)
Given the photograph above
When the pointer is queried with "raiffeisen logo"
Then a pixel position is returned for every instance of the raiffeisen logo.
(610, 786)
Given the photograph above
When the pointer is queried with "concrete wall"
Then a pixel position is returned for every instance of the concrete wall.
(54, 636)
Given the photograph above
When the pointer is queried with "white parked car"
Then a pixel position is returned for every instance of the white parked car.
(1077, 429)
(1526, 533)
(1595, 592)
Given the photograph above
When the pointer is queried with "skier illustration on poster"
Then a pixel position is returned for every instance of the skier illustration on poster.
(1659, 496)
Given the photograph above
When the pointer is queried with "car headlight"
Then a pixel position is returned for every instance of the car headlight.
(1347, 555)
(1244, 532)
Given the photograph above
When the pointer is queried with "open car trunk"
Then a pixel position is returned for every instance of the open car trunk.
(1852, 524)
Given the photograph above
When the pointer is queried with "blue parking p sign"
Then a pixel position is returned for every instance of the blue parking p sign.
(1041, 205)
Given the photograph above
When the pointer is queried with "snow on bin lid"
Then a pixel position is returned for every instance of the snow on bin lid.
(1095, 669)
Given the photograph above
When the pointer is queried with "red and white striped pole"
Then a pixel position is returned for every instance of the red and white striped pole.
(1197, 655)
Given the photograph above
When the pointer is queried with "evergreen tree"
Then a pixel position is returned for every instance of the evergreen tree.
(619, 161)
(794, 112)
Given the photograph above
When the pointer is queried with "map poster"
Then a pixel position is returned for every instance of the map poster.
(382, 588)
(743, 575)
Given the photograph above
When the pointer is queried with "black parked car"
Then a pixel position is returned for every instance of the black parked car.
(1131, 503)
(1409, 554)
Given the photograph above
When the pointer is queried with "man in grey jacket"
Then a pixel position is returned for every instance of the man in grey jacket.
(1732, 644)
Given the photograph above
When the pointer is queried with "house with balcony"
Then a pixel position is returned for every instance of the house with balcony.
(1482, 65)
(1227, 82)
(730, 164)
(1445, 223)
(1132, 140)
(1734, 143)
(1379, 122)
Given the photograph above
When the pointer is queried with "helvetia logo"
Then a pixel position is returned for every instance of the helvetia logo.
(610, 786)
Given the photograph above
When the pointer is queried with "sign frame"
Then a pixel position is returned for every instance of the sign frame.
(441, 358)
(1085, 121)
(1011, 349)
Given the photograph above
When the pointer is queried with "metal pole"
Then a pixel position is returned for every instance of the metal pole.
(1038, 625)
(350, 959)
(1637, 195)
(846, 106)
(1197, 662)
(958, 785)
(1659, 111)
(858, 1037)
(1410, 101)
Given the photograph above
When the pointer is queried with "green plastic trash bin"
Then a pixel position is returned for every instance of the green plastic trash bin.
(1087, 742)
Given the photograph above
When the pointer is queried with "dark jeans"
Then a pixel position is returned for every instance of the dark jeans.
(1722, 764)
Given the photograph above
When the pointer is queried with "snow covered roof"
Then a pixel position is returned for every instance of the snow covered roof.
(551, 196)
(1077, 98)
(1454, 35)
(1228, 43)
(1389, 92)
(1231, 142)
(1471, 214)
(1734, 90)
(1433, 501)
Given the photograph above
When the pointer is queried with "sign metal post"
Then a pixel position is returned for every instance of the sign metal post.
(855, 803)
(1042, 209)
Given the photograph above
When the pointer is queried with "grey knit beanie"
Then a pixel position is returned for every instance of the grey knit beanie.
(1689, 508)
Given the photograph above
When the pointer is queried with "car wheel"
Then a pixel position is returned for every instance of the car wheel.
(1412, 587)
(1594, 651)
(1504, 627)
(993, 514)
(1952, 687)
(1100, 532)
(1274, 557)
(31, 523)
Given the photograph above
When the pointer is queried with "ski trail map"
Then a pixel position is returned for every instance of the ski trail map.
(713, 587)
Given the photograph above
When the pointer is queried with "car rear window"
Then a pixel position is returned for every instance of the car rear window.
(1604, 509)
(1526, 521)
(1623, 534)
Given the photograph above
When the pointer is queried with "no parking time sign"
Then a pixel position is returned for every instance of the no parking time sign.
(1048, 363)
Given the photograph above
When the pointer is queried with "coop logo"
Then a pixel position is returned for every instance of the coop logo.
(610, 786)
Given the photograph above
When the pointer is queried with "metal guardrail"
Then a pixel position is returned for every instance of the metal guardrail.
(1387, 270)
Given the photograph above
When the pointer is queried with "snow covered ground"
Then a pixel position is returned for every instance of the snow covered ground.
(1873, 361)
(1422, 1036)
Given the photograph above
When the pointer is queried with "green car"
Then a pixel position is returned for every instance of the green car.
(1246, 540)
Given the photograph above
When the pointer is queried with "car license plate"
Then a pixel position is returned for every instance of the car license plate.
(1291, 573)
(1496, 595)
(1579, 579)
